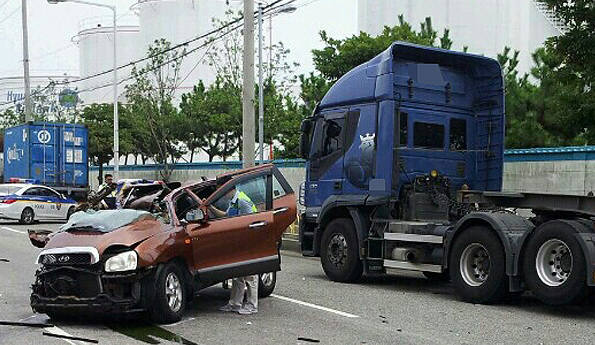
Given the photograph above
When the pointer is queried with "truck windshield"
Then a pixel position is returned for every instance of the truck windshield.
(104, 220)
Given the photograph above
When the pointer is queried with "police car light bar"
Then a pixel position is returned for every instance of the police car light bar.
(22, 180)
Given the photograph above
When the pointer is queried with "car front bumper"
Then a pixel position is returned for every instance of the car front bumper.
(81, 290)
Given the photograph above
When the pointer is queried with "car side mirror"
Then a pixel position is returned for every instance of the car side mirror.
(195, 216)
(39, 238)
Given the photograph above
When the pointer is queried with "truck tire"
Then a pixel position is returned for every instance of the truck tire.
(27, 216)
(554, 264)
(339, 253)
(170, 295)
(477, 266)
(266, 284)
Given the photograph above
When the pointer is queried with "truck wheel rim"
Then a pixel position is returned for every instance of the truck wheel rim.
(554, 262)
(266, 279)
(475, 264)
(337, 250)
(173, 292)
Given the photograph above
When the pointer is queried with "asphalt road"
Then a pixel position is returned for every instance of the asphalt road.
(306, 308)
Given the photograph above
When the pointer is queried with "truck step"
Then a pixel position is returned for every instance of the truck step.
(393, 236)
(405, 265)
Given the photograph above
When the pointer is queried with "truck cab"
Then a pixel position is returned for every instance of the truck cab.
(404, 155)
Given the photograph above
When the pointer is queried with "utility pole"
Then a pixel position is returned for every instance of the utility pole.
(260, 89)
(28, 110)
(248, 87)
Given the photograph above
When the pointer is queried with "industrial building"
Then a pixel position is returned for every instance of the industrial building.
(485, 26)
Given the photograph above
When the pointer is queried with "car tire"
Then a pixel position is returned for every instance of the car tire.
(27, 216)
(554, 264)
(437, 277)
(339, 253)
(170, 295)
(70, 212)
(266, 284)
(477, 266)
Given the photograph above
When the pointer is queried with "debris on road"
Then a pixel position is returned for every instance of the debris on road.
(4, 260)
(49, 334)
(25, 324)
(310, 340)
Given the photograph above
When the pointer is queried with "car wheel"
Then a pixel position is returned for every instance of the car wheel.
(554, 264)
(27, 216)
(70, 212)
(266, 284)
(437, 277)
(170, 295)
(477, 266)
(339, 252)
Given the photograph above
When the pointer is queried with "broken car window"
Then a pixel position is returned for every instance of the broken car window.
(104, 220)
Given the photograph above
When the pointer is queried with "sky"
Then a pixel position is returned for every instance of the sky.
(52, 27)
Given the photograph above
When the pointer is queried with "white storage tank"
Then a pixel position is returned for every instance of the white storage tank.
(485, 26)
(95, 41)
(178, 21)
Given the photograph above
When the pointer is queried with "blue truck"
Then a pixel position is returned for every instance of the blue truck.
(404, 172)
(51, 154)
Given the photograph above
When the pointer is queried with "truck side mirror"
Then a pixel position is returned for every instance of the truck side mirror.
(305, 129)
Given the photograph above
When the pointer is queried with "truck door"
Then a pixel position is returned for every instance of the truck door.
(326, 158)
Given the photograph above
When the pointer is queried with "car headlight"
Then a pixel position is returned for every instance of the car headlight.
(122, 262)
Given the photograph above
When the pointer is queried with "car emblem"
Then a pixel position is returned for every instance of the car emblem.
(49, 259)
(64, 258)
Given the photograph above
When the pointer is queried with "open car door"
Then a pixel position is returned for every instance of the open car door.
(234, 244)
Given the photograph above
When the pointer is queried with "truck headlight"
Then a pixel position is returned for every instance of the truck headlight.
(122, 262)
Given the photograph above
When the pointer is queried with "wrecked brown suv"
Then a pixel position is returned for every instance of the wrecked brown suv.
(129, 260)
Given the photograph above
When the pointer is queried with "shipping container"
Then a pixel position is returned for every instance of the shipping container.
(51, 154)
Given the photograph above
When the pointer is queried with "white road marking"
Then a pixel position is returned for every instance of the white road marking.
(306, 304)
(14, 230)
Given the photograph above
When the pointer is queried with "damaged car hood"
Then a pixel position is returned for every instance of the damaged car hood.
(113, 227)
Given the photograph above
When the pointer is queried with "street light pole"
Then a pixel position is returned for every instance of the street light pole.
(248, 86)
(26, 75)
(115, 77)
(260, 89)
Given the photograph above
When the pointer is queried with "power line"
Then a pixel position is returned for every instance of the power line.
(179, 45)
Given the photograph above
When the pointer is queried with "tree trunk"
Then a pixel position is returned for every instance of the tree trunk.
(100, 177)
(191, 155)
(126, 160)
(135, 159)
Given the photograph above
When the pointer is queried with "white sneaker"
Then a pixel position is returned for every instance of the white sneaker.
(247, 311)
(229, 307)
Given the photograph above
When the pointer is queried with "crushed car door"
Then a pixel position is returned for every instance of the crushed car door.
(236, 239)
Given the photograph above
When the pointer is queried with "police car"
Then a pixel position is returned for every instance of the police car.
(27, 203)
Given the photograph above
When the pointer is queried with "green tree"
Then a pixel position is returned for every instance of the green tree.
(340, 56)
(151, 97)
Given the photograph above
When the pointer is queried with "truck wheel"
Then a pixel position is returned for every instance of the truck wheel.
(27, 216)
(477, 266)
(437, 277)
(266, 284)
(170, 295)
(339, 252)
(554, 264)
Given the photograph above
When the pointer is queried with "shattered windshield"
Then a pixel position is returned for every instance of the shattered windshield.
(104, 220)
